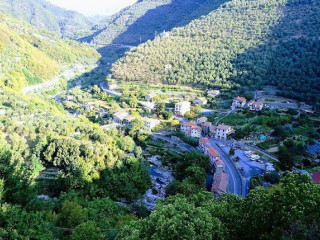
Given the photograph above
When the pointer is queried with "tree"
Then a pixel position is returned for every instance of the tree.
(285, 159)
(127, 144)
(232, 151)
(71, 215)
(174, 123)
(87, 230)
(177, 220)
(133, 102)
(160, 108)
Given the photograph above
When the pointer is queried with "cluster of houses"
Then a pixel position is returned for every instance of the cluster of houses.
(202, 126)
(123, 117)
(221, 178)
(241, 102)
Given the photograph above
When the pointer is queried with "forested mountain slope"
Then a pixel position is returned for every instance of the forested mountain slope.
(31, 56)
(242, 43)
(43, 14)
(147, 18)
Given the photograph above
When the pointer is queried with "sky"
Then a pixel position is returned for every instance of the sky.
(94, 7)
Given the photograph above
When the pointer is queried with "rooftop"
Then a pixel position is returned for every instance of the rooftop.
(183, 103)
(203, 119)
(212, 152)
(220, 182)
(189, 124)
(206, 124)
(240, 99)
(204, 140)
(223, 127)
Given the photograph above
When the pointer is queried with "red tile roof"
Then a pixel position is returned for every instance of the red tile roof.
(196, 127)
(257, 103)
(218, 162)
(316, 177)
(189, 124)
(203, 119)
(241, 99)
(220, 183)
(204, 140)
(212, 152)
(206, 124)
(223, 127)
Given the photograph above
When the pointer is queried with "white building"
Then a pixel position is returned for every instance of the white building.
(120, 116)
(202, 120)
(204, 144)
(182, 107)
(196, 132)
(150, 97)
(238, 102)
(191, 129)
(150, 123)
(223, 131)
(200, 101)
(212, 154)
(255, 106)
(213, 93)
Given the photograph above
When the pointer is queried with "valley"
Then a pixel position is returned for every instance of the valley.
(168, 120)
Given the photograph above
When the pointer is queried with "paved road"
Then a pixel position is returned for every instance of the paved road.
(113, 45)
(235, 180)
(183, 146)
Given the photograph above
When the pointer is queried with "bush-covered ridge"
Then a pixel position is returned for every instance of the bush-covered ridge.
(44, 15)
(242, 43)
(147, 18)
(30, 56)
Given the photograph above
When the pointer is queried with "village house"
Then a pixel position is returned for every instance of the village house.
(150, 123)
(219, 166)
(222, 131)
(119, 116)
(204, 144)
(255, 106)
(212, 154)
(69, 98)
(213, 93)
(212, 130)
(3, 112)
(182, 107)
(202, 120)
(128, 120)
(200, 101)
(196, 132)
(150, 97)
(238, 102)
(206, 127)
(191, 129)
(220, 184)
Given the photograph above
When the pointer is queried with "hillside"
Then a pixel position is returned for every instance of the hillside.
(147, 18)
(31, 56)
(42, 14)
(242, 43)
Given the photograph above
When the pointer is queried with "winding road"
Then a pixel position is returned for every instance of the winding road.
(235, 179)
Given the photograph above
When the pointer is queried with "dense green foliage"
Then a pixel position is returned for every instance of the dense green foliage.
(29, 56)
(242, 43)
(42, 14)
(286, 211)
(148, 18)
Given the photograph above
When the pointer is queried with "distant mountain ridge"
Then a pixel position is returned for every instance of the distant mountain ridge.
(42, 14)
(146, 19)
(30, 56)
(243, 43)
